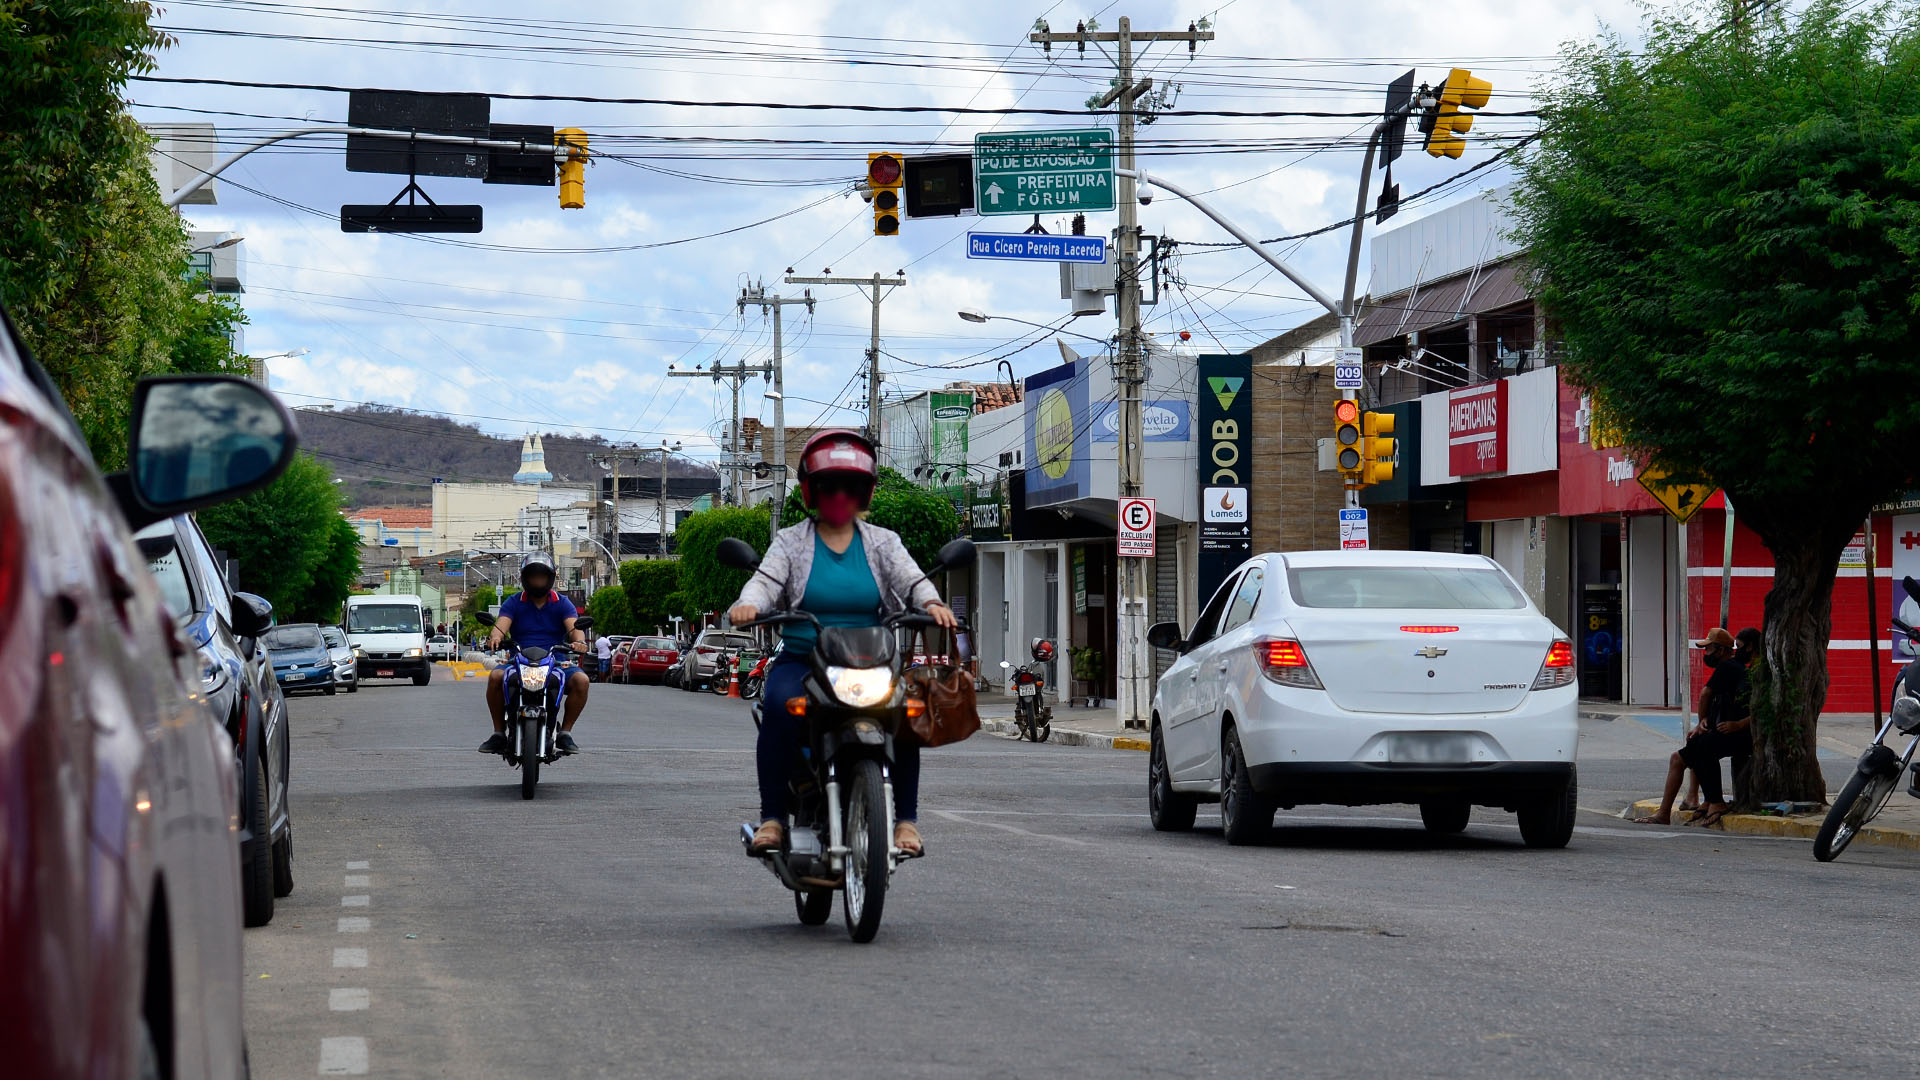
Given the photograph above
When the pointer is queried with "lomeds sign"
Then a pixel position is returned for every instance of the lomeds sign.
(1477, 429)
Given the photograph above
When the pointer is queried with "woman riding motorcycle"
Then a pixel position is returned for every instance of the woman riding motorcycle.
(845, 572)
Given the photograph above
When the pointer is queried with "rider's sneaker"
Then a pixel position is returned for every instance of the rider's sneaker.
(566, 744)
(496, 744)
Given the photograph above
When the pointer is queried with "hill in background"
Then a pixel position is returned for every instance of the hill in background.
(390, 457)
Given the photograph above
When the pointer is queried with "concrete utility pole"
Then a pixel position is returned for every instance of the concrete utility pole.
(735, 375)
(871, 287)
(1131, 603)
(664, 451)
(758, 297)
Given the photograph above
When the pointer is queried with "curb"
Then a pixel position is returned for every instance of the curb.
(1799, 826)
(1067, 737)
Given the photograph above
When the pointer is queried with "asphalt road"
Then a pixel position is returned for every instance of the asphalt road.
(442, 927)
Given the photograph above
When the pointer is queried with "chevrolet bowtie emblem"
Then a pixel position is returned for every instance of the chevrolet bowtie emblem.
(1430, 652)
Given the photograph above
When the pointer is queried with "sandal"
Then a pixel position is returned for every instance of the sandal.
(1688, 807)
(1708, 819)
(1651, 821)
(906, 837)
(768, 838)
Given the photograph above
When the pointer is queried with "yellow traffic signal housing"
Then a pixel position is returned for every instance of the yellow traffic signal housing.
(573, 171)
(885, 175)
(1346, 440)
(1446, 126)
(1376, 449)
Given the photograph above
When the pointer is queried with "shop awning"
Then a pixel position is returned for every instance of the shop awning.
(1438, 303)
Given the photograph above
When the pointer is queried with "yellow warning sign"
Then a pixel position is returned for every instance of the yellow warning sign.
(1680, 500)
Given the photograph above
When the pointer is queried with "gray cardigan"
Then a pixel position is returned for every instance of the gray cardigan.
(782, 578)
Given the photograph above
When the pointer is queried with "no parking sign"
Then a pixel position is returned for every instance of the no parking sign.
(1136, 528)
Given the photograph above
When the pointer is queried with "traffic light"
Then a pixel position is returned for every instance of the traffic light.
(1346, 439)
(1376, 449)
(885, 174)
(1445, 125)
(573, 171)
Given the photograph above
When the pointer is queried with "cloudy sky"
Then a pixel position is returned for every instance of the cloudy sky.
(556, 319)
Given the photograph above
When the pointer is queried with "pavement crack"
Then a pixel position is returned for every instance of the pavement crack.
(1331, 928)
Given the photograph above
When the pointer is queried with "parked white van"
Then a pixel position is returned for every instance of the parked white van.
(389, 637)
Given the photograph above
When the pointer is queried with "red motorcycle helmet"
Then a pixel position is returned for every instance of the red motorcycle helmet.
(1042, 650)
(843, 455)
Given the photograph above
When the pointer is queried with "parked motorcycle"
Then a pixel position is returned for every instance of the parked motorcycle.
(1879, 770)
(755, 680)
(840, 832)
(725, 666)
(536, 689)
(1031, 713)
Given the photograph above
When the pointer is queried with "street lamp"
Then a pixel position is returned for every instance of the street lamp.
(972, 316)
(301, 351)
(217, 245)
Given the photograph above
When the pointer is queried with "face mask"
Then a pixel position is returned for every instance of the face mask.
(836, 508)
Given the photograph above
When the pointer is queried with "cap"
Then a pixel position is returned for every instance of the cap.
(1716, 636)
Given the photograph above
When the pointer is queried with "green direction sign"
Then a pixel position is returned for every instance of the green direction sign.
(1036, 172)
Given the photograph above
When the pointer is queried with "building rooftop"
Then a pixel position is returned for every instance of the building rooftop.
(395, 517)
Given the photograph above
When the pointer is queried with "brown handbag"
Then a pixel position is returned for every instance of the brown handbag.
(951, 714)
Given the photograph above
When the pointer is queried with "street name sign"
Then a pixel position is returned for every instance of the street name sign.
(1680, 500)
(1036, 172)
(1037, 247)
(1136, 528)
(1347, 370)
(1353, 530)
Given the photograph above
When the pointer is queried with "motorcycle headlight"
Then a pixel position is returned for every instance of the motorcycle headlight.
(533, 678)
(415, 652)
(861, 687)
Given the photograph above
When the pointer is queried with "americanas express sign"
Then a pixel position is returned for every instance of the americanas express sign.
(1036, 247)
(1164, 421)
(1032, 172)
(1477, 429)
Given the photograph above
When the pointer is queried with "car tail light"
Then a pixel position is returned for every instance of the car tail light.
(1285, 662)
(1557, 670)
(1430, 629)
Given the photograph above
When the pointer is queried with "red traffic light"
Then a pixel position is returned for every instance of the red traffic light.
(1346, 412)
(883, 170)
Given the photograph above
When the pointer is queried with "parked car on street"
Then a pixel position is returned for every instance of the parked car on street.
(650, 658)
(346, 673)
(703, 660)
(1366, 677)
(442, 647)
(228, 628)
(120, 890)
(302, 662)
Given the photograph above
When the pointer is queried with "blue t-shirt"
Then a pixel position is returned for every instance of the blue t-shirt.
(840, 592)
(544, 626)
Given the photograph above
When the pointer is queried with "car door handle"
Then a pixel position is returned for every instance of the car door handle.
(1222, 666)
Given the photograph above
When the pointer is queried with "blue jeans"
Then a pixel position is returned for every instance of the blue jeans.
(780, 733)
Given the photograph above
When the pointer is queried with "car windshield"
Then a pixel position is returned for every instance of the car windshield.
(1430, 587)
(653, 643)
(383, 619)
(334, 638)
(286, 638)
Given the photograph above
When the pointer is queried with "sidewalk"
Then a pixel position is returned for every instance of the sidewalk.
(1098, 728)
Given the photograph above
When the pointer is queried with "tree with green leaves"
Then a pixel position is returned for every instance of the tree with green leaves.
(333, 575)
(1724, 225)
(279, 534)
(650, 585)
(705, 585)
(482, 599)
(611, 612)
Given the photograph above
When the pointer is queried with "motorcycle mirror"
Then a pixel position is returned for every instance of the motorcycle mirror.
(583, 623)
(736, 554)
(956, 553)
(1005, 663)
(484, 618)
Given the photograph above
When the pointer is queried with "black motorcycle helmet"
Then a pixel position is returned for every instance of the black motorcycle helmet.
(532, 570)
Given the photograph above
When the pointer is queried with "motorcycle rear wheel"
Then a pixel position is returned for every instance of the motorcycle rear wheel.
(865, 894)
(1857, 804)
(751, 686)
(529, 757)
(813, 906)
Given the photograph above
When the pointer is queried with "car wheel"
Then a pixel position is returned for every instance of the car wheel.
(332, 689)
(283, 867)
(1445, 816)
(1170, 810)
(256, 858)
(423, 676)
(1547, 822)
(1246, 816)
(146, 1064)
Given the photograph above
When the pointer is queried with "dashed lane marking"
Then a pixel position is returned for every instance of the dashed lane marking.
(357, 881)
(349, 958)
(348, 1000)
(356, 901)
(357, 864)
(355, 924)
(343, 1055)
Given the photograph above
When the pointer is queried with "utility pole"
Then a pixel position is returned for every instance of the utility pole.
(758, 297)
(1131, 606)
(735, 375)
(664, 451)
(612, 461)
(871, 287)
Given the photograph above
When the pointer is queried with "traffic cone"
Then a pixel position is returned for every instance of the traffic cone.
(733, 683)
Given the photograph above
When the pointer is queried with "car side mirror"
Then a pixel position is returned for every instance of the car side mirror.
(197, 440)
(954, 554)
(1165, 635)
(736, 554)
(252, 615)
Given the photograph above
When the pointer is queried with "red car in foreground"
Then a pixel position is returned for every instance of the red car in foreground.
(645, 658)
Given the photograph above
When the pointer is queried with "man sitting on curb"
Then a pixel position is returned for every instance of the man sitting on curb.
(1722, 731)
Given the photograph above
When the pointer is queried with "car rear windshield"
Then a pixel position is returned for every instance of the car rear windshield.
(728, 641)
(294, 637)
(653, 643)
(383, 619)
(1434, 587)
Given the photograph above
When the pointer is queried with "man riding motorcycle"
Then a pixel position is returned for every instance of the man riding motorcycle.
(845, 572)
(536, 616)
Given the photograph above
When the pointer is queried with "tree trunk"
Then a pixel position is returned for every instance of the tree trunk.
(1790, 677)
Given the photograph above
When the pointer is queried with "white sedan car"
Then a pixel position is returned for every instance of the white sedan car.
(1368, 677)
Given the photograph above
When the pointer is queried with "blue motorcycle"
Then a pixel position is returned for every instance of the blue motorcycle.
(536, 689)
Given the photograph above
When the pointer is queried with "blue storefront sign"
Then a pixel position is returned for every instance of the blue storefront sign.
(1167, 420)
(1058, 428)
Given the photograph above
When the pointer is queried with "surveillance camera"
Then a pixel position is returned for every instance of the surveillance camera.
(1145, 194)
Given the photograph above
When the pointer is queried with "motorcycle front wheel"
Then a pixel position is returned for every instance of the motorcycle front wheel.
(721, 679)
(751, 685)
(1858, 803)
(865, 893)
(529, 757)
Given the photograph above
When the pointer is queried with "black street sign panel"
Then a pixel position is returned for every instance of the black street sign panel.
(410, 218)
(410, 110)
(536, 167)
